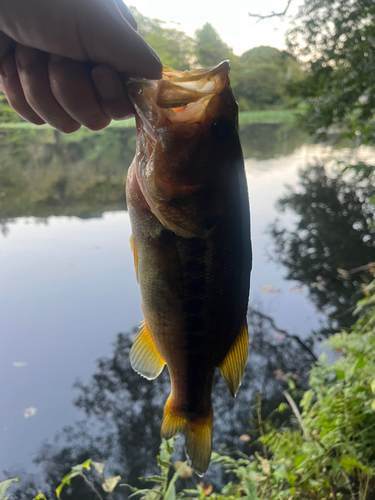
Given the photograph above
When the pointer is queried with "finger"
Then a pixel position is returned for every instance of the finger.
(111, 93)
(116, 42)
(33, 73)
(5, 44)
(127, 14)
(12, 88)
(72, 86)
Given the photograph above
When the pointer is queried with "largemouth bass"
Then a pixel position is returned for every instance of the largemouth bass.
(189, 211)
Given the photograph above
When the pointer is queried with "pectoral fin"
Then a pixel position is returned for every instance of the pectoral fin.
(233, 366)
(144, 357)
(133, 246)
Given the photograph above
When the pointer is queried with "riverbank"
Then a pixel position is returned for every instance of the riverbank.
(248, 117)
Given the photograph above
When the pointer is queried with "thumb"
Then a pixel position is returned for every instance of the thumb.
(108, 37)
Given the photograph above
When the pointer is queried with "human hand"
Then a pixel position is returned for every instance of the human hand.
(64, 62)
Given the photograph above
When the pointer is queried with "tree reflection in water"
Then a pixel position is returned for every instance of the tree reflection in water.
(123, 410)
(334, 234)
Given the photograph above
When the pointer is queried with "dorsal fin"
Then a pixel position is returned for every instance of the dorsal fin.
(233, 366)
(144, 357)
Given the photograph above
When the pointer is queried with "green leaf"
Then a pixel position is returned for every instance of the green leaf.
(335, 465)
(340, 374)
(299, 459)
(155, 479)
(373, 386)
(282, 407)
(5, 485)
(170, 494)
(58, 489)
(360, 363)
(77, 470)
(349, 463)
(373, 405)
(110, 483)
(40, 496)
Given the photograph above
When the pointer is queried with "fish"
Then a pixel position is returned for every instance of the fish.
(189, 212)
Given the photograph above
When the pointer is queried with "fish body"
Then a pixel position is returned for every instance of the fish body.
(188, 206)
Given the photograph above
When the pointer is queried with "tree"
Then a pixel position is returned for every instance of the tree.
(210, 50)
(336, 40)
(263, 76)
(175, 48)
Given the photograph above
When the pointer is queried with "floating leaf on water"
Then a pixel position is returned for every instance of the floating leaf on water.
(30, 412)
(244, 438)
(19, 364)
(269, 289)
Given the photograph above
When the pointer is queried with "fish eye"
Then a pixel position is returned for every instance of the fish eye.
(221, 128)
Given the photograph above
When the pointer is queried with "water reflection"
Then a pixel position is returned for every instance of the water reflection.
(44, 173)
(266, 141)
(123, 411)
(334, 234)
(70, 282)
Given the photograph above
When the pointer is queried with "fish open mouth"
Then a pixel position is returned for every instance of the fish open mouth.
(180, 96)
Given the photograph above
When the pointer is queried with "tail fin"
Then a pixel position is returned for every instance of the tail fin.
(198, 436)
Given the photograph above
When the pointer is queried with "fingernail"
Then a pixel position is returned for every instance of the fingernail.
(104, 82)
(25, 56)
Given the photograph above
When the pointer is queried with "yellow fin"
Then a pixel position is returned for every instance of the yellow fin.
(172, 423)
(198, 436)
(233, 366)
(144, 357)
(133, 246)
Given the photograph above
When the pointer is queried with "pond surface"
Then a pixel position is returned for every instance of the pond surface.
(68, 289)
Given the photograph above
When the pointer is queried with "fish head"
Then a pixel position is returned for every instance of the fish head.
(187, 137)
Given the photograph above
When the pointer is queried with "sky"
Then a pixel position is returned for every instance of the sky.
(232, 22)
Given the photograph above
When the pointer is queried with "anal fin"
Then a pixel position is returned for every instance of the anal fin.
(233, 366)
(198, 433)
(144, 357)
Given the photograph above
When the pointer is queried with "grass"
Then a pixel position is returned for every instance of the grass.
(245, 118)
(267, 116)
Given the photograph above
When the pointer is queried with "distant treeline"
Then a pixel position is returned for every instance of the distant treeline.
(259, 76)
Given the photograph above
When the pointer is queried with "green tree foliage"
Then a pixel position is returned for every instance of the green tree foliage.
(336, 39)
(175, 48)
(6, 112)
(263, 73)
(335, 231)
(210, 48)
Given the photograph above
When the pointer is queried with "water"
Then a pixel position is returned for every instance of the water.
(68, 288)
